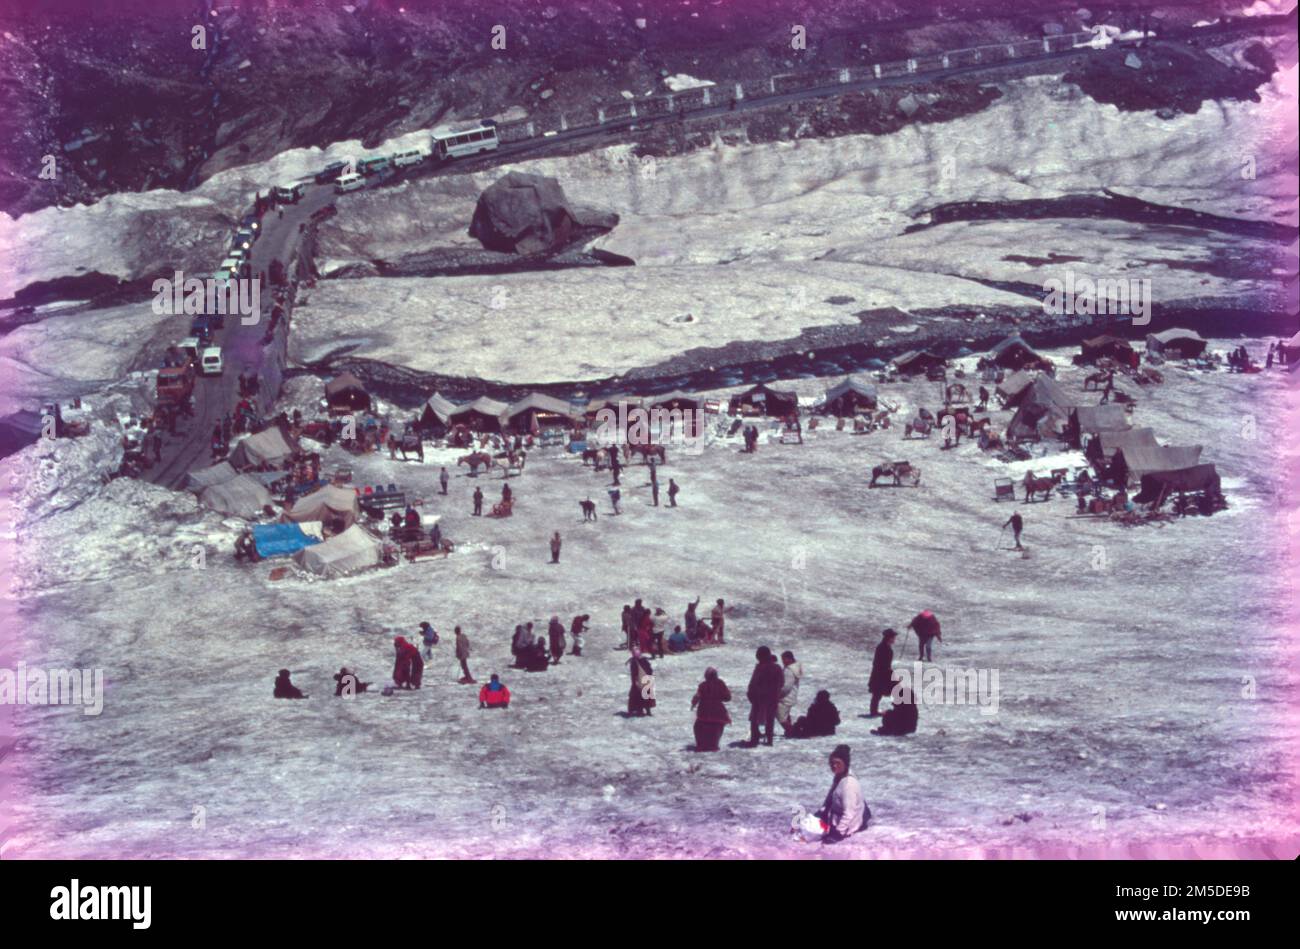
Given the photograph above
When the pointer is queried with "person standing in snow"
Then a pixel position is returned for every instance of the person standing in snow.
(793, 672)
(520, 645)
(430, 637)
(462, 655)
(555, 547)
(763, 693)
(641, 694)
(672, 492)
(629, 628)
(478, 501)
(926, 626)
(555, 632)
(719, 617)
(576, 629)
(443, 478)
(711, 716)
(844, 811)
(1017, 524)
(408, 669)
(881, 681)
(691, 620)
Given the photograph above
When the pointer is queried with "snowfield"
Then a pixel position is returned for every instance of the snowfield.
(1123, 722)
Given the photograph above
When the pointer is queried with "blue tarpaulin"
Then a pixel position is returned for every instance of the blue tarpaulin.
(280, 540)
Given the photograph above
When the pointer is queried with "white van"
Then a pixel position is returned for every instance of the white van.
(349, 183)
(190, 347)
(211, 364)
(232, 266)
(413, 157)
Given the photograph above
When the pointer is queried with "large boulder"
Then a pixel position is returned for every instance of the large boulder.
(530, 214)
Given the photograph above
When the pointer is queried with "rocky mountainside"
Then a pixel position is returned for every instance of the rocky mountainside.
(125, 97)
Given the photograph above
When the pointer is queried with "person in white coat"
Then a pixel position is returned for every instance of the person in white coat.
(845, 812)
(789, 691)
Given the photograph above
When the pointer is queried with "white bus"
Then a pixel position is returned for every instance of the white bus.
(471, 141)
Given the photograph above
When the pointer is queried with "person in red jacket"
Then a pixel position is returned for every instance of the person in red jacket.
(494, 694)
(926, 626)
(408, 670)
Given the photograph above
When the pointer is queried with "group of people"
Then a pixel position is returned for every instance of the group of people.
(647, 630)
(535, 653)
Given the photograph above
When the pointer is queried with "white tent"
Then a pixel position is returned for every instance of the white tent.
(240, 495)
(269, 446)
(201, 478)
(342, 554)
(325, 504)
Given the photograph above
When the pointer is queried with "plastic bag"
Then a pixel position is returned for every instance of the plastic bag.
(809, 828)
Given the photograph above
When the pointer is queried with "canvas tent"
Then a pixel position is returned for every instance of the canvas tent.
(271, 447)
(1106, 346)
(678, 401)
(437, 412)
(201, 478)
(1043, 412)
(776, 403)
(918, 361)
(326, 504)
(537, 411)
(481, 415)
(849, 397)
(1101, 450)
(611, 402)
(1132, 462)
(1014, 353)
(281, 540)
(1159, 485)
(1176, 344)
(1014, 386)
(1093, 420)
(239, 495)
(346, 393)
(342, 554)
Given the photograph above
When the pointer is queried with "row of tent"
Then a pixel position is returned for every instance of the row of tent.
(1127, 455)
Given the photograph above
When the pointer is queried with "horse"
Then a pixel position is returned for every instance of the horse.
(1035, 485)
(474, 459)
(898, 470)
(595, 456)
(647, 451)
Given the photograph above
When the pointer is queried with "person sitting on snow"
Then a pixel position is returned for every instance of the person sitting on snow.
(284, 689)
(348, 683)
(678, 642)
(821, 720)
(494, 694)
(844, 811)
(903, 717)
(538, 659)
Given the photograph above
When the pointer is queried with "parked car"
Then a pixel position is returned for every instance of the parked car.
(211, 364)
(331, 172)
(349, 183)
(289, 194)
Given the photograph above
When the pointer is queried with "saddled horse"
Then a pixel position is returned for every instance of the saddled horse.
(1034, 485)
(475, 460)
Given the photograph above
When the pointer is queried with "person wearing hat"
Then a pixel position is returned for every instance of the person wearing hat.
(494, 694)
(711, 716)
(882, 671)
(284, 689)
(844, 811)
